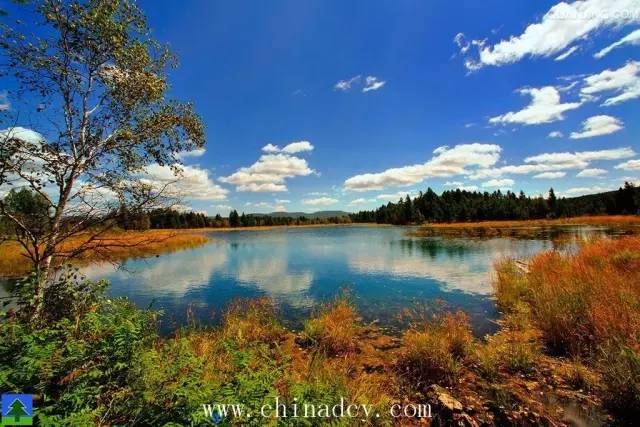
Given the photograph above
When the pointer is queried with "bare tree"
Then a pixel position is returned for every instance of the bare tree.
(89, 113)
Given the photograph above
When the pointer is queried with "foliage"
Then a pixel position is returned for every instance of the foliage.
(78, 363)
(334, 329)
(94, 74)
(461, 205)
(432, 353)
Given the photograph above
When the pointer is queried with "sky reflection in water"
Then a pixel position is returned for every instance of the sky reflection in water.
(384, 269)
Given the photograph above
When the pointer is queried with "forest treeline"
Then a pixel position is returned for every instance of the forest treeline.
(461, 206)
(170, 218)
(450, 206)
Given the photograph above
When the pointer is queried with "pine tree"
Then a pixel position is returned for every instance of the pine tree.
(17, 410)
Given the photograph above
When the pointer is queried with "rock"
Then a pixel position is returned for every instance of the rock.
(443, 400)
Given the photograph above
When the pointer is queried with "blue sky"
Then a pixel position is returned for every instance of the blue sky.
(478, 95)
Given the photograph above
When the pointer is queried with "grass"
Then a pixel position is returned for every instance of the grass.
(586, 305)
(579, 301)
(112, 246)
(433, 352)
(527, 228)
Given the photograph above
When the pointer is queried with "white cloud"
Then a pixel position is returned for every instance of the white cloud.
(270, 148)
(556, 134)
(280, 201)
(632, 39)
(320, 201)
(360, 201)
(545, 107)
(559, 31)
(597, 126)
(198, 152)
(550, 175)
(499, 183)
(590, 173)
(630, 165)
(581, 191)
(192, 183)
(292, 148)
(624, 81)
(268, 174)
(373, 83)
(459, 185)
(4, 101)
(578, 160)
(446, 162)
(394, 197)
(345, 85)
(260, 205)
(553, 162)
(222, 208)
(567, 54)
(459, 39)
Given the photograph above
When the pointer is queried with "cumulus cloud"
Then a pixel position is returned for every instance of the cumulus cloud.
(559, 32)
(499, 183)
(581, 191)
(631, 39)
(597, 126)
(359, 201)
(345, 85)
(624, 81)
(268, 174)
(373, 83)
(554, 162)
(631, 165)
(192, 183)
(556, 134)
(292, 148)
(578, 160)
(320, 201)
(198, 152)
(545, 107)
(446, 162)
(590, 173)
(550, 175)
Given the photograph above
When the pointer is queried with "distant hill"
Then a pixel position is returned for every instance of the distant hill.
(312, 215)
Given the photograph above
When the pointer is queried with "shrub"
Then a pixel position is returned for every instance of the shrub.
(621, 378)
(335, 329)
(432, 353)
(581, 300)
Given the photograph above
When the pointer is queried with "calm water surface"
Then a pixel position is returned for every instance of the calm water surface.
(384, 269)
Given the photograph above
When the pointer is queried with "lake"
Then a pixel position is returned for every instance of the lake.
(383, 269)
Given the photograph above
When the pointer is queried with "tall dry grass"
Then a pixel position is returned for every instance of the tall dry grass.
(587, 305)
(433, 352)
(334, 329)
(526, 228)
(112, 246)
(579, 301)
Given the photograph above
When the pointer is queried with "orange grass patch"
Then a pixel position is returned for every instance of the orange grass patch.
(583, 300)
(112, 246)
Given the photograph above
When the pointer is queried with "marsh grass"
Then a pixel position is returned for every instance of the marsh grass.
(335, 328)
(528, 228)
(586, 305)
(434, 352)
(111, 247)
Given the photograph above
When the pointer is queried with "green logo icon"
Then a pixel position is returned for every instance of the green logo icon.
(17, 410)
